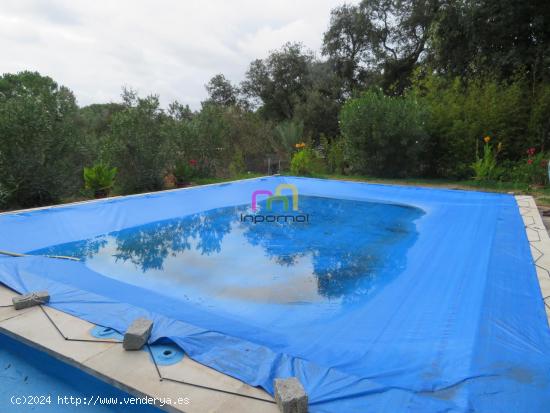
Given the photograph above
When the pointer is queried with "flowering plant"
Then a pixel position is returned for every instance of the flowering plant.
(485, 168)
(185, 171)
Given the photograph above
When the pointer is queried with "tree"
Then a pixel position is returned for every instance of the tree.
(477, 37)
(380, 40)
(221, 91)
(40, 149)
(278, 83)
(319, 111)
(138, 145)
(349, 43)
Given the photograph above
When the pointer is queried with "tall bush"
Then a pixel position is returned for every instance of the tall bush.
(40, 148)
(138, 145)
(386, 135)
(462, 111)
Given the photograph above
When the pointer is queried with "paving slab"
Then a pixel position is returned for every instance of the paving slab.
(35, 329)
(6, 296)
(539, 240)
(138, 373)
(133, 372)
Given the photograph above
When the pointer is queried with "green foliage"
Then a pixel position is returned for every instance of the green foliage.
(237, 167)
(318, 113)
(539, 122)
(40, 148)
(455, 79)
(185, 171)
(280, 81)
(379, 40)
(386, 135)
(532, 170)
(289, 133)
(306, 162)
(4, 197)
(100, 179)
(221, 91)
(517, 38)
(138, 145)
(485, 168)
(461, 112)
(336, 155)
(251, 135)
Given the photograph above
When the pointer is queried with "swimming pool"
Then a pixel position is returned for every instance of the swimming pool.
(375, 297)
(34, 381)
(219, 257)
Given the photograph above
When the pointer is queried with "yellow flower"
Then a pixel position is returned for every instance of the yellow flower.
(487, 139)
(297, 145)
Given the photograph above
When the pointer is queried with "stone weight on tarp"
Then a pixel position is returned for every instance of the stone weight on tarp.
(137, 334)
(31, 299)
(290, 395)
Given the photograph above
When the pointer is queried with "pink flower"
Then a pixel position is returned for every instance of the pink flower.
(529, 161)
(531, 151)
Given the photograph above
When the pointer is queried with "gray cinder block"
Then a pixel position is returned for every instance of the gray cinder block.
(30, 300)
(137, 334)
(290, 395)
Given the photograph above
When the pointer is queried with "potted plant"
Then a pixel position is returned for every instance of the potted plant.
(100, 179)
(184, 172)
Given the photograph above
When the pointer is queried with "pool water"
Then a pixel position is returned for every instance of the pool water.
(27, 374)
(347, 250)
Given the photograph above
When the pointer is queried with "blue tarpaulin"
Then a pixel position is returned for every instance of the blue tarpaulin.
(461, 327)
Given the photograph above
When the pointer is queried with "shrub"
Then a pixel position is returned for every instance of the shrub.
(138, 144)
(306, 162)
(237, 167)
(460, 111)
(386, 134)
(4, 196)
(531, 170)
(335, 156)
(40, 149)
(100, 179)
(485, 168)
(185, 172)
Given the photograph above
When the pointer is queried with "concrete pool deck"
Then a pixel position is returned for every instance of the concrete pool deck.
(135, 373)
(131, 371)
(539, 240)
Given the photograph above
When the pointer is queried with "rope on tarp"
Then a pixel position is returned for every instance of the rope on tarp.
(85, 340)
(200, 386)
(16, 254)
(161, 378)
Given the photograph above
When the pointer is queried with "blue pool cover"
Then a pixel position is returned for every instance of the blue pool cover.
(424, 300)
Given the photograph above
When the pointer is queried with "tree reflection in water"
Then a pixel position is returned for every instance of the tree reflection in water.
(354, 246)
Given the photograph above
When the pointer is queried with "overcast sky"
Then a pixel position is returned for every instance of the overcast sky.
(171, 48)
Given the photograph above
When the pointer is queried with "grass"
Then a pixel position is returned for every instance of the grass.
(541, 194)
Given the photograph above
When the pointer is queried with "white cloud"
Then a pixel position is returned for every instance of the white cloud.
(171, 48)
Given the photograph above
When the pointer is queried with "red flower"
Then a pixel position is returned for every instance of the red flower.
(531, 151)
(529, 161)
(193, 162)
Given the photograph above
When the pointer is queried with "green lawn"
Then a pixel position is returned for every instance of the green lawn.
(541, 194)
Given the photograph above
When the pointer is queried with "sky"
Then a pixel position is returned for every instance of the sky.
(169, 48)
